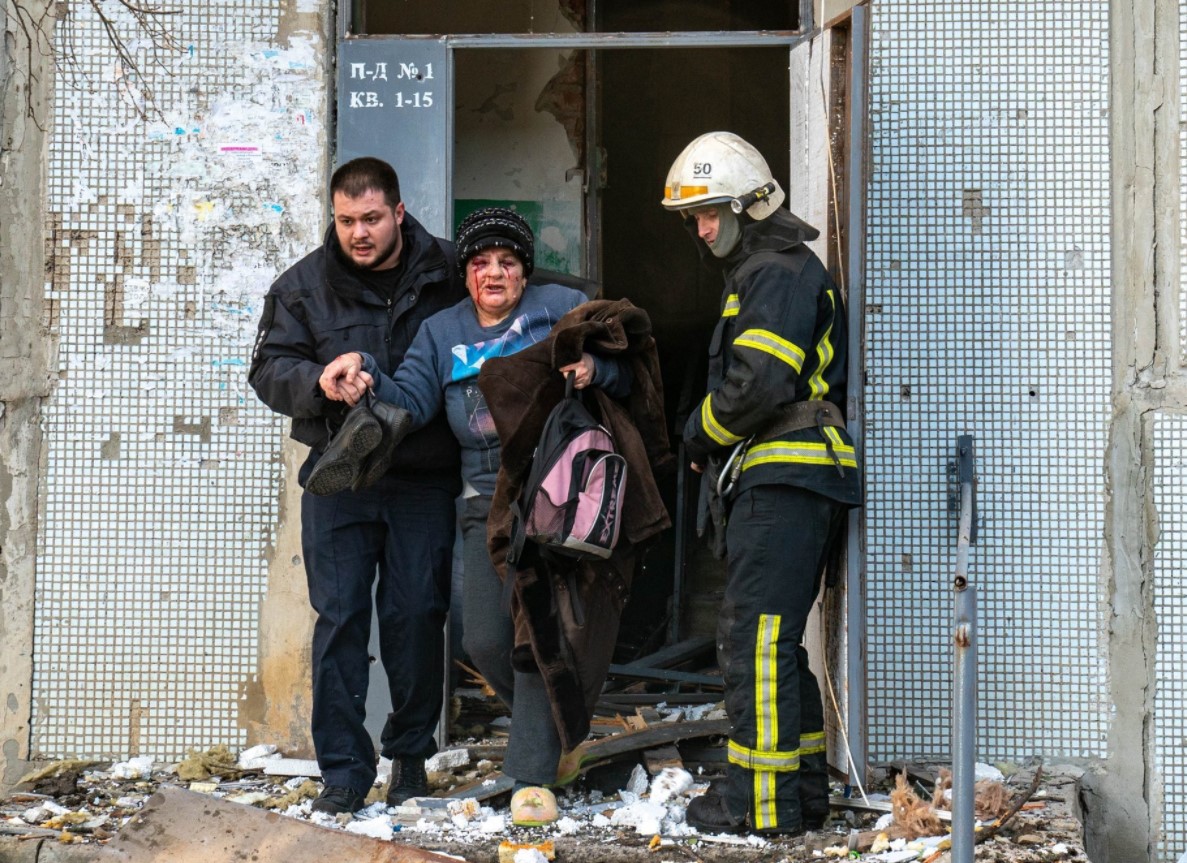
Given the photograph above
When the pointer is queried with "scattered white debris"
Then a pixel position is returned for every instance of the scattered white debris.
(134, 768)
(36, 815)
(467, 809)
(726, 839)
(375, 810)
(567, 826)
(383, 772)
(448, 760)
(248, 797)
(493, 824)
(893, 856)
(323, 819)
(600, 821)
(377, 828)
(637, 784)
(530, 855)
(256, 757)
(1061, 848)
(884, 822)
(671, 782)
(305, 767)
(987, 771)
(645, 816)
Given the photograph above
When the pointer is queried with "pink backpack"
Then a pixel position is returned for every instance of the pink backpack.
(571, 504)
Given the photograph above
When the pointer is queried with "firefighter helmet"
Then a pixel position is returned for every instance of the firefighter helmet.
(720, 167)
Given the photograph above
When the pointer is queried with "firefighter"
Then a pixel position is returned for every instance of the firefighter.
(778, 473)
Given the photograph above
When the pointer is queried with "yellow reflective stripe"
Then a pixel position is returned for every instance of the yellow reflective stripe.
(713, 428)
(835, 436)
(732, 306)
(766, 681)
(810, 744)
(824, 356)
(781, 452)
(778, 347)
(764, 801)
(754, 759)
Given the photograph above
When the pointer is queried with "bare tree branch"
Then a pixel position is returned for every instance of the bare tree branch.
(124, 23)
(36, 45)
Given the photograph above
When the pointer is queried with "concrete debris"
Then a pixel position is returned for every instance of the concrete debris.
(449, 759)
(133, 768)
(295, 767)
(613, 800)
(518, 852)
(38, 777)
(257, 757)
(671, 782)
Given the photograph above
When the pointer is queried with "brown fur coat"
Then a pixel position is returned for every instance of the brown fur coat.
(566, 623)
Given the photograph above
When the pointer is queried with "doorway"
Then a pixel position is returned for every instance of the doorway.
(579, 139)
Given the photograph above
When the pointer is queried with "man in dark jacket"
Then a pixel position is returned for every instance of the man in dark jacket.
(781, 470)
(377, 275)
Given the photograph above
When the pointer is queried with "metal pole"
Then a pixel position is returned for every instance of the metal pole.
(855, 581)
(964, 731)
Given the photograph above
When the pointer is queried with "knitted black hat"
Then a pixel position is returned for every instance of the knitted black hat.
(495, 226)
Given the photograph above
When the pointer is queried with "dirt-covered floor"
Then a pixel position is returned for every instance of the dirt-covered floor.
(628, 807)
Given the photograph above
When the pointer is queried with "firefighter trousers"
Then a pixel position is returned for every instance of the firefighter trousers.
(777, 541)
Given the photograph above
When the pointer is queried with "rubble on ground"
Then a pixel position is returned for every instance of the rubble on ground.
(629, 808)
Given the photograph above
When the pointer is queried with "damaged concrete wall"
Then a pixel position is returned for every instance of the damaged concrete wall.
(1109, 556)
(179, 181)
(25, 77)
(1135, 805)
(517, 140)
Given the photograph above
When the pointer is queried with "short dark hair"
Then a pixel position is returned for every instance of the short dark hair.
(366, 174)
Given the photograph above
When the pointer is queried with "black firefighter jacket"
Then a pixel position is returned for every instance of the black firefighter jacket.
(319, 308)
(781, 339)
(566, 623)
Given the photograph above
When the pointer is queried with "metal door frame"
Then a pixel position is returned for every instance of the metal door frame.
(855, 575)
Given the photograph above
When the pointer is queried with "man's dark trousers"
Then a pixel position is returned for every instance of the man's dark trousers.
(778, 539)
(402, 532)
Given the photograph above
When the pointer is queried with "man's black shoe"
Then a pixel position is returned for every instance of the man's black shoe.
(343, 458)
(709, 814)
(338, 800)
(395, 423)
(408, 780)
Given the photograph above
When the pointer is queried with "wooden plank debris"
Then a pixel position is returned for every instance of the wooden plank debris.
(675, 654)
(179, 826)
(657, 759)
(592, 753)
(663, 675)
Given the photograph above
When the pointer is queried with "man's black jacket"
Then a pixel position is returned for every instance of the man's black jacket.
(320, 308)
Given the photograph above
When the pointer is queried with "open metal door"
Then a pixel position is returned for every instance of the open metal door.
(395, 101)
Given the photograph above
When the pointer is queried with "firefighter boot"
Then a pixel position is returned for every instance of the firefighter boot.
(710, 813)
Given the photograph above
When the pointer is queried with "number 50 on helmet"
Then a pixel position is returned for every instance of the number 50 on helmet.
(721, 168)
